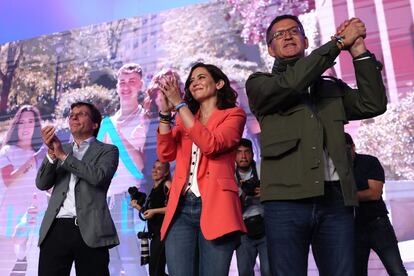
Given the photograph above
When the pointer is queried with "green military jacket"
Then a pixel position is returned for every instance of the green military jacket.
(300, 113)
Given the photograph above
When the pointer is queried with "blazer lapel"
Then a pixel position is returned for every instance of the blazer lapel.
(91, 151)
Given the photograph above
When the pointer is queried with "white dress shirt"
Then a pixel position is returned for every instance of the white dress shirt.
(68, 209)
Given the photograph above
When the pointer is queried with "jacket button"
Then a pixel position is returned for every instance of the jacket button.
(314, 148)
(316, 182)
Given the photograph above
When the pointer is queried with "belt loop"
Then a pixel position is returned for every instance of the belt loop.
(76, 221)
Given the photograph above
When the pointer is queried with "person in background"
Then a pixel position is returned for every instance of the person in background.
(254, 241)
(203, 211)
(153, 211)
(373, 229)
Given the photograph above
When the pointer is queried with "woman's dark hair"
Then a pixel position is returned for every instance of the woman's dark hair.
(96, 116)
(226, 96)
(12, 136)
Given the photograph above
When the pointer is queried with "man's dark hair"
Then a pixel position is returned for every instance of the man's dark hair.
(96, 116)
(348, 139)
(246, 143)
(280, 18)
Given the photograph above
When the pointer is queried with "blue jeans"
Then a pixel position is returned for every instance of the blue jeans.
(323, 222)
(188, 252)
(380, 236)
(246, 254)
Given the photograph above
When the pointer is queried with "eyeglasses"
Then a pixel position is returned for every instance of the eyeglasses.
(72, 115)
(281, 34)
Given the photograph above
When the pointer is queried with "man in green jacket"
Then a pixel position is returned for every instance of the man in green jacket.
(308, 189)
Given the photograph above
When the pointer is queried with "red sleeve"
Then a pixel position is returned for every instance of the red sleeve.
(225, 136)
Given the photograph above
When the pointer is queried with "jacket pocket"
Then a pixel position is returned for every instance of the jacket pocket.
(279, 148)
(228, 184)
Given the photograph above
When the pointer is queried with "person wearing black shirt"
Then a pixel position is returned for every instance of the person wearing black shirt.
(373, 229)
(157, 201)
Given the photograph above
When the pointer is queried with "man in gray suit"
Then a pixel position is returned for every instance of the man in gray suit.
(77, 225)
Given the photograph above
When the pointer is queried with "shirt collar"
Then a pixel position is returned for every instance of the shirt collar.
(88, 141)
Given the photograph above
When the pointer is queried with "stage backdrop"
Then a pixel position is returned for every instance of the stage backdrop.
(45, 75)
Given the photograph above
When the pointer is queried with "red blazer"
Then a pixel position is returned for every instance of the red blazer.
(218, 140)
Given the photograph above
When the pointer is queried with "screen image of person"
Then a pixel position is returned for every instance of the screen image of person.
(127, 129)
(203, 211)
(77, 226)
(153, 210)
(21, 203)
(130, 126)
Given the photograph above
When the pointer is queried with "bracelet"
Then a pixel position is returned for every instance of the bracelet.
(182, 104)
(164, 121)
(165, 116)
(339, 39)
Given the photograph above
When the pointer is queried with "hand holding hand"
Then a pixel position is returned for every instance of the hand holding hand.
(351, 30)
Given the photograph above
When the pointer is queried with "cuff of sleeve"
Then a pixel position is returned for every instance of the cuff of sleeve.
(64, 159)
(363, 56)
(51, 160)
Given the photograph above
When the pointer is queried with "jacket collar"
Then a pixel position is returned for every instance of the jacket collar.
(280, 65)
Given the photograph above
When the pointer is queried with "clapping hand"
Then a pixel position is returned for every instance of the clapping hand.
(170, 88)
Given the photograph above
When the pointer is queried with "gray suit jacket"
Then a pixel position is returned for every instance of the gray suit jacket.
(94, 172)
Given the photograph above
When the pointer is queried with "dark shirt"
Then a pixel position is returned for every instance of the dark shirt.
(368, 167)
(157, 199)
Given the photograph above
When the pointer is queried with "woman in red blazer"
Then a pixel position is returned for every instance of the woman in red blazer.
(203, 211)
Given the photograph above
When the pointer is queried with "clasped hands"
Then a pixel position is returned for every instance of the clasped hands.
(353, 32)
